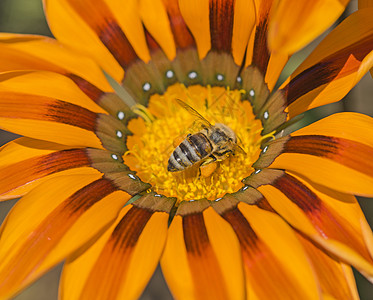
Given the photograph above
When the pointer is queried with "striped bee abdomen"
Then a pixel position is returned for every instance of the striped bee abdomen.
(193, 149)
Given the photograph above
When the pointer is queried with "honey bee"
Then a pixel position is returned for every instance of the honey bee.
(212, 143)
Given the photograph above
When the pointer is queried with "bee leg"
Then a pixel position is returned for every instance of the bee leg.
(207, 167)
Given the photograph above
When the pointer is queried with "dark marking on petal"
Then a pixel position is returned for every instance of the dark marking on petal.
(350, 153)
(326, 70)
(195, 234)
(129, 229)
(86, 197)
(71, 114)
(221, 24)
(88, 88)
(182, 36)
(116, 41)
(245, 233)
(298, 193)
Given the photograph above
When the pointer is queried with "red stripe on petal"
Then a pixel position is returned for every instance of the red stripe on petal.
(46, 236)
(203, 262)
(99, 17)
(116, 254)
(88, 88)
(25, 106)
(328, 223)
(350, 153)
(221, 24)
(339, 64)
(182, 36)
(23, 172)
(261, 53)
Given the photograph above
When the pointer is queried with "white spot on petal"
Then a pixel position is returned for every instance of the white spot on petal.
(218, 199)
(146, 87)
(266, 115)
(257, 171)
(265, 149)
(245, 188)
(120, 115)
(119, 133)
(220, 77)
(132, 176)
(252, 93)
(170, 74)
(114, 156)
(239, 79)
(192, 75)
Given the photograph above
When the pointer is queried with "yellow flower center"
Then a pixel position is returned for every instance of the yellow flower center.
(164, 124)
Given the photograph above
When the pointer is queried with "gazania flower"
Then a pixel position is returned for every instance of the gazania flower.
(240, 209)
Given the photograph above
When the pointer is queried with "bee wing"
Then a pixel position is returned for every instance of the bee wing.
(193, 112)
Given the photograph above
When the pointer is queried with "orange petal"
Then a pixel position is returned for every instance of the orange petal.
(121, 262)
(20, 173)
(346, 125)
(275, 265)
(295, 23)
(102, 24)
(270, 64)
(20, 52)
(39, 233)
(47, 84)
(336, 279)
(334, 67)
(365, 3)
(196, 16)
(48, 119)
(243, 24)
(317, 157)
(154, 17)
(331, 219)
(202, 256)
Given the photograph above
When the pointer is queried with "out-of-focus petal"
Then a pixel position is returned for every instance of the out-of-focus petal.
(334, 67)
(202, 256)
(21, 52)
(331, 219)
(295, 23)
(271, 271)
(336, 279)
(39, 233)
(121, 262)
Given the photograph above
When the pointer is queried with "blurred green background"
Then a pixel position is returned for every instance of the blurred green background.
(26, 16)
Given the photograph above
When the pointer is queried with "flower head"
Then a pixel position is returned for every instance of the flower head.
(153, 131)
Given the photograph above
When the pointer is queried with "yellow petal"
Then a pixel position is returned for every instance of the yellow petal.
(317, 157)
(154, 16)
(296, 23)
(329, 218)
(20, 173)
(122, 261)
(336, 279)
(47, 84)
(39, 233)
(48, 119)
(275, 264)
(196, 16)
(334, 67)
(202, 256)
(20, 52)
